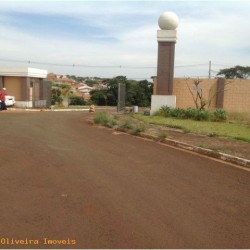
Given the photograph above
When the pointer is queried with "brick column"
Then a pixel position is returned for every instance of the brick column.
(25, 88)
(166, 38)
(165, 68)
(220, 93)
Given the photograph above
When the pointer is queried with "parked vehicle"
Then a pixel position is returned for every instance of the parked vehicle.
(9, 100)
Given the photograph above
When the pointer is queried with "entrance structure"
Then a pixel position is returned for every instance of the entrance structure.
(166, 37)
(28, 85)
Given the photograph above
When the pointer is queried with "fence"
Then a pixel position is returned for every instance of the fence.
(121, 97)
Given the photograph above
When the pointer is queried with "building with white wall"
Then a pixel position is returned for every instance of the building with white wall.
(28, 85)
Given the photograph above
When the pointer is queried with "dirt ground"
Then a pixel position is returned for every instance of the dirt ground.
(67, 184)
(218, 144)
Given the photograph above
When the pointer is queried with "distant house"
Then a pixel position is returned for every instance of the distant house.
(85, 90)
(60, 79)
(28, 85)
(100, 85)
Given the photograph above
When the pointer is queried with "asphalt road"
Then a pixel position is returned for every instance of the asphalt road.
(67, 184)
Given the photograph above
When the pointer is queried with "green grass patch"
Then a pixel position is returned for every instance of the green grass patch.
(234, 131)
(242, 139)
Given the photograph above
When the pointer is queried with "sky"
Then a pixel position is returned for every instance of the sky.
(111, 38)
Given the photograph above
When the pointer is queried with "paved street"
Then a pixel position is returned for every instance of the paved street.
(67, 184)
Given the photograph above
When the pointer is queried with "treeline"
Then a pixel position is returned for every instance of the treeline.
(137, 92)
(237, 72)
(90, 81)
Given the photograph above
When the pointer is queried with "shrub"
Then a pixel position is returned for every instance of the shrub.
(164, 111)
(76, 100)
(201, 115)
(112, 122)
(126, 125)
(219, 115)
(137, 129)
(162, 136)
(212, 134)
(101, 118)
(190, 113)
(195, 114)
(177, 112)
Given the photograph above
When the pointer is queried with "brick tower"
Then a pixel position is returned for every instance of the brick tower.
(166, 37)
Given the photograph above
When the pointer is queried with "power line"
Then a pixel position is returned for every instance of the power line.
(97, 66)
(189, 66)
(115, 66)
(77, 65)
(218, 64)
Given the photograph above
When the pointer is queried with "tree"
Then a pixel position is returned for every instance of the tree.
(99, 96)
(76, 100)
(198, 98)
(137, 93)
(90, 82)
(240, 72)
(201, 103)
(65, 89)
(56, 96)
(112, 89)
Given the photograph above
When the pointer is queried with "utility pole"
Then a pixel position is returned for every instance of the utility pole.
(209, 70)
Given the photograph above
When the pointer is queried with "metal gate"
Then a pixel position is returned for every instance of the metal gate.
(41, 94)
(121, 96)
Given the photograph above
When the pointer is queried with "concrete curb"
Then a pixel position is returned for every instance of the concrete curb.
(208, 152)
(55, 109)
(47, 110)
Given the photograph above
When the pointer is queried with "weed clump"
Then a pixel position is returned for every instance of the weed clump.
(101, 118)
(162, 136)
(112, 121)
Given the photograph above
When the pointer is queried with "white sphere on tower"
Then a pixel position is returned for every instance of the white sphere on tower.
(168, 21)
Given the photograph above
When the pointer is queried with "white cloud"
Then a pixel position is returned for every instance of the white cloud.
(125, 34)
(220, 37)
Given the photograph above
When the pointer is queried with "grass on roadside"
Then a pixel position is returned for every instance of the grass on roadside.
(235, 131)
(112, 121)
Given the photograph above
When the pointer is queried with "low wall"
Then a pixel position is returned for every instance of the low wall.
(184, 98)
(237, 96)
(231, 95)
